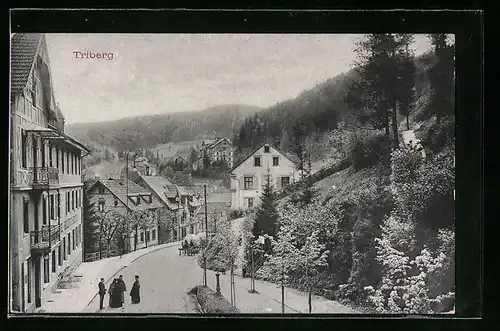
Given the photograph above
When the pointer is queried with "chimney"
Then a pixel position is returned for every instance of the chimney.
(97, 177)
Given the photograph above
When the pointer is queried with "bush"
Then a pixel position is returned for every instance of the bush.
(211, 302)
(369, 148)
(234, 214)
(436, 136)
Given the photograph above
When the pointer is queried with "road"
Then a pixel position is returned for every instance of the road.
(166, 278)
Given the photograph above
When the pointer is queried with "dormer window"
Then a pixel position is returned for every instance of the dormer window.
(134, 200)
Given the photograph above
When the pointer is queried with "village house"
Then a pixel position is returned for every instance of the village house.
(124, 196)
(180, 204)
(45, 213)
(249, 176)
(220, 149)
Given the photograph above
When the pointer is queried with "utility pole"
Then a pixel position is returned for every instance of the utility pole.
(206, 237)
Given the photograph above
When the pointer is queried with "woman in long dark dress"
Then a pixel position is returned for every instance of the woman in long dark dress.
(116, 296)
(134, 292)
(111, 290)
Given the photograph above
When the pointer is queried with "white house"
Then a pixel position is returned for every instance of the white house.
(249, 176)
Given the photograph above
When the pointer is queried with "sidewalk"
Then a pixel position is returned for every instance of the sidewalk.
(76, 300)
(268, 298)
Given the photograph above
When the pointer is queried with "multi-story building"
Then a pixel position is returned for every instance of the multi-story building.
(220, 149)
(250, 175)
(124, 196)
(180, 203)
(45, 180)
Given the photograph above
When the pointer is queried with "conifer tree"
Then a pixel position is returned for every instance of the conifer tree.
(266, 220)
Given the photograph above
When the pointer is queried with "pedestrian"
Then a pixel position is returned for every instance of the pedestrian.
(102, 292)
(111, 291)
(122, 289)
(115, 296)
(134, 292)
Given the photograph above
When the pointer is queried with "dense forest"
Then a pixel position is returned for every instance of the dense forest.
(130, 134)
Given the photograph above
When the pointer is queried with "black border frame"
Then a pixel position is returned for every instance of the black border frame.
(468, 29)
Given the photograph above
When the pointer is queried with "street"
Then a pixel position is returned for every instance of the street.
(166, 278)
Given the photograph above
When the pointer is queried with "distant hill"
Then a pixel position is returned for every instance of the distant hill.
(149, 131)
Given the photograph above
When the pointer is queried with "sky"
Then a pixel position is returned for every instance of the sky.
(165, 73)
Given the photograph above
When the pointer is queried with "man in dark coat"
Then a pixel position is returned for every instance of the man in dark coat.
(134, 292)
(122, 288)
(102, 292)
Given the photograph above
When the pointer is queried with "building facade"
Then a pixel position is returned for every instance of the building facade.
(250, 175)
(180, 203)
(220, 149)
(124, 197)
(45, 213)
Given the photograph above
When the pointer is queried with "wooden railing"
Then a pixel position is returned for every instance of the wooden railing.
(44, 176)
(45, 238)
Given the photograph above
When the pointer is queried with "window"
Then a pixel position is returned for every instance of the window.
(24, 141)
(59, 255)
(52, 207)
(50, 155)
(148, 236)
(58, 204)
(101, 190)
(153, 234)
(150, 199)
(67, 163)
(116, 202)
(285, 181)
(101, 205)
(138, 199)
(276, 161)
(74, 241)
(248, 183)
(64, 248)
(26, 218)
(62, 161)
(44, 210)
(142, 237)
(250, 202)
(69, 243)
(256, 161)
(67, 203)
(57, 158)
(266, 149)
(46, 275)
(72, 200)
(54, 261)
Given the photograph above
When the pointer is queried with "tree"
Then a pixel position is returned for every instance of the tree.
(442, 76)
(90, 235)
(266, 220)
(148, 220)
(193, 156)
(298, 138)
(123, 231)
(405, 88)
(107, 221)
(386, 79)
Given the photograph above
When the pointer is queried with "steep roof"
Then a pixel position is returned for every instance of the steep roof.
(218, 141)
(23, 49)
(256, 149)
(163, 188)
(118, 188)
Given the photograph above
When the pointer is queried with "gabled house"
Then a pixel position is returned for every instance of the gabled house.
(250, 175)
(124, 196)
(45, 214)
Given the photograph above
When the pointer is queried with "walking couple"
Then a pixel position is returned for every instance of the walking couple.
(116, 292)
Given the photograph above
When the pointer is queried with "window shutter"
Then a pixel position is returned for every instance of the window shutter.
(278, 182)
(242, 182)
(255, 182)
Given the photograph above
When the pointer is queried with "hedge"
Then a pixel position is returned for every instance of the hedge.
(211, 302)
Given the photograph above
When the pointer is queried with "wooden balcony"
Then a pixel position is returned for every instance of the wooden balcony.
(42, 241)
(45, 177)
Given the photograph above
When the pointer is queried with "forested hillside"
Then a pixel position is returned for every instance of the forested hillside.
(376, 228)
(148, 131)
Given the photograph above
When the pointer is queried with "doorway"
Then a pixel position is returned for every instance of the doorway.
(38, 288)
